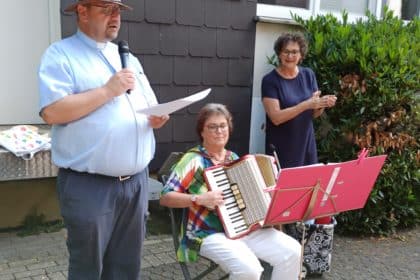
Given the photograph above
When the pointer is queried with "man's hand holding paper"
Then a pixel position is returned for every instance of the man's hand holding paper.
(157, 121)
(173, 106)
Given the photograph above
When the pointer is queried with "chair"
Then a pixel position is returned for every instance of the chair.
(176, 215)
(165, 170)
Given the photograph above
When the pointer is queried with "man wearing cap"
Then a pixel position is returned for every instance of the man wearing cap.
(100, 144)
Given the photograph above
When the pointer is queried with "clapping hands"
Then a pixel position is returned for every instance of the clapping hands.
(319, 102)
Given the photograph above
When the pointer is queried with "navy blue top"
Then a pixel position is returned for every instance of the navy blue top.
(295, 139)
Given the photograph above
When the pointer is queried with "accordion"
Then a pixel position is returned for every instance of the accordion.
(243, 183)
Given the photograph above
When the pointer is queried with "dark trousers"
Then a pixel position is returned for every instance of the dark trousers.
(106, 224)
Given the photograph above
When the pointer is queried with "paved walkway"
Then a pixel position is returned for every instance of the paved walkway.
(44, 256)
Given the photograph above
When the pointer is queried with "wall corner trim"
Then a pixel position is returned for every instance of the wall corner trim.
(267, 19)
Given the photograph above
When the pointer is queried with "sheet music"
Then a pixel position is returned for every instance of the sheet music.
(172, 106)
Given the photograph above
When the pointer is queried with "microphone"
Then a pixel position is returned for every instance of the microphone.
(275, 156)
(124, 52)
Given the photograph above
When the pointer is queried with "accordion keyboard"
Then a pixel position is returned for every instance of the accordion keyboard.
(245, 202)
(230, 211)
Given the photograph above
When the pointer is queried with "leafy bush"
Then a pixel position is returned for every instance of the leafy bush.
(372, 66)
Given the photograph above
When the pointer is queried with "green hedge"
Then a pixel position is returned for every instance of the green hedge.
(372, 66)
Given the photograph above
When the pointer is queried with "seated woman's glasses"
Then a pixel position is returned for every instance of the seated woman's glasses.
(215, 127)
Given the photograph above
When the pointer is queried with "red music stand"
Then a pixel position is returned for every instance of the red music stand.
(313, 191)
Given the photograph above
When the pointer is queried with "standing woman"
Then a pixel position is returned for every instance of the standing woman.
(291, 100)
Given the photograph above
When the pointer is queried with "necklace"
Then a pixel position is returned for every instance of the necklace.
(288, 75)
(218, 158)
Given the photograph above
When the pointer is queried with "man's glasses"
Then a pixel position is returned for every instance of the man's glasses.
(214, 127)
(108, 9)
(291, 53)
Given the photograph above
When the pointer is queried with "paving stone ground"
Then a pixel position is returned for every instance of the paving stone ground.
(45, 256)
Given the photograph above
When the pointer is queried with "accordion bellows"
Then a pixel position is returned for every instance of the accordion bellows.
(245, 210)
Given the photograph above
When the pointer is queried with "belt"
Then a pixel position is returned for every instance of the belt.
(119, 178)
(123, 178)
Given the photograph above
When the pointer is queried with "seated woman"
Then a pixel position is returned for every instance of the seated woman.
(204, 234)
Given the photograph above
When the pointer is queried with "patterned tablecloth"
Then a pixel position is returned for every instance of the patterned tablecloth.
(16, 168)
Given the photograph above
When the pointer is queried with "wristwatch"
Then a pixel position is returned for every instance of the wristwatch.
(194, 199)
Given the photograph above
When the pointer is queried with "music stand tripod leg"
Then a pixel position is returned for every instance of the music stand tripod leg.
(302, 243)
(308, 212)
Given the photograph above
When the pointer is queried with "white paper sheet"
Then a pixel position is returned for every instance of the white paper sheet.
(172, 106)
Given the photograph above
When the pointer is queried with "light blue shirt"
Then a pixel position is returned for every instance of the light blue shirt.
(113, 140)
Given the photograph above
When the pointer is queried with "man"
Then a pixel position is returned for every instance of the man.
(100, 144)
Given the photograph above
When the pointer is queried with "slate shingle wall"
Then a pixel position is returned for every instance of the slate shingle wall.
(186, 46)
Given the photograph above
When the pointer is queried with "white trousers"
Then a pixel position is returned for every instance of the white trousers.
(239, 257)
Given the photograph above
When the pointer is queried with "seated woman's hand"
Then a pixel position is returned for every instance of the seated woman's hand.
(210, 199)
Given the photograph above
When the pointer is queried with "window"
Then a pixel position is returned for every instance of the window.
(404, 9)
(410, 9)
(358, 7)
(281, 10)
(288, 3)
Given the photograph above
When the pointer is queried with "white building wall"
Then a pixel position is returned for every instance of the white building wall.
(266, 34)
(28, 28)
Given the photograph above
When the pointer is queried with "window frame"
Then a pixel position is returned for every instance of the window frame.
(282, 14)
